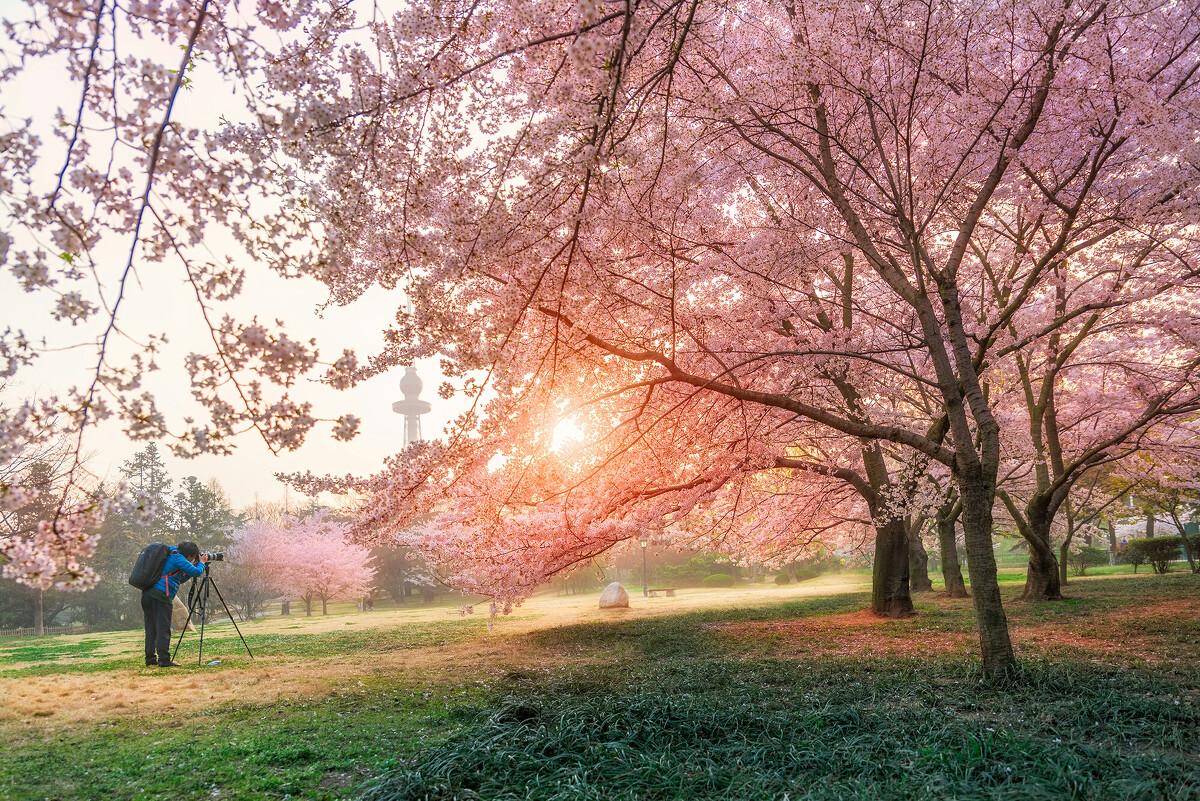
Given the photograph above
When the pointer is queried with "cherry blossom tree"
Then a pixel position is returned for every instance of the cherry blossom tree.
(1115, 371)
(114, 169)
(640, 235)
(316, 562)
(633, 217)
(258, 565)
(1163, 481)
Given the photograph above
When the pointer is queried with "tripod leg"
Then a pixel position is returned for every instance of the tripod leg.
(231, 620)
(191, 609)
(203, 614)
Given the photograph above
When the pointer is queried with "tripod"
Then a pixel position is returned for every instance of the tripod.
(198, 603)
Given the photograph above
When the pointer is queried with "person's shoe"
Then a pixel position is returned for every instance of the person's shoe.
(169, 664)
(151, 664)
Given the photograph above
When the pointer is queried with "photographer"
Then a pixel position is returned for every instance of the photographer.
(184, 562)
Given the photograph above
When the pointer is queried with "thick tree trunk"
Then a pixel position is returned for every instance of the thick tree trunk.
(978, 495)
(286, 608)
(39, 622)
(1112, 543)
(918, 564)
(324, 607)
(1149, 526)
(1042, 580)
(951, 570)
(889, 579)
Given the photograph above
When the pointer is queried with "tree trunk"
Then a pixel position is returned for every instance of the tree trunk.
(1042, 580)
(1112, 543)
(978, 495)
(39, 623)
(951, 570)
(918, 564)
(1064, 550)
(1187, 552)
(286, 608)
(1185, 542)
(889, 577)
(324, 606)
(1149, 526)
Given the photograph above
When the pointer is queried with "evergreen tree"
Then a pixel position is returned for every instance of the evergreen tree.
(147, 476)
(202, 513)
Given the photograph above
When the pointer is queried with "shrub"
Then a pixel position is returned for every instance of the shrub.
(1159, 552)
(1130, 556)
(783, 578)
(692, 572)
(1087, 556)
(718, 580)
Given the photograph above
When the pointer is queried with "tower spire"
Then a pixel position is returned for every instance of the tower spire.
(412, 407)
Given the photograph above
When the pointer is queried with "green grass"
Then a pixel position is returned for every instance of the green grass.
(677, 706)
(718, 728)
(47, 648)
(222, 639)
(254, 752)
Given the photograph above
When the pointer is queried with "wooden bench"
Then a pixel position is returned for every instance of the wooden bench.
(668, 591)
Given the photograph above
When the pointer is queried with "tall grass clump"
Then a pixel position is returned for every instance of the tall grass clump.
(721, 729)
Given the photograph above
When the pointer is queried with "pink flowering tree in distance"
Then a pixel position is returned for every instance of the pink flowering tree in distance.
(317, 562)
(735, 245)
(258, 565)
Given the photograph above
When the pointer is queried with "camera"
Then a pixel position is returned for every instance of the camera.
(219, 556)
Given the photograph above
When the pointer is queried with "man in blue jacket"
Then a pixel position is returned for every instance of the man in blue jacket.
(183, 563)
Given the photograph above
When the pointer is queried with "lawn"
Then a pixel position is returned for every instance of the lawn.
(758, 693)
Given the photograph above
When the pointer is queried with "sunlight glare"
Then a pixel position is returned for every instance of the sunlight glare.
(565, 433)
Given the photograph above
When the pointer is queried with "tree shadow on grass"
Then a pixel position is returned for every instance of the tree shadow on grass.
(684, 634)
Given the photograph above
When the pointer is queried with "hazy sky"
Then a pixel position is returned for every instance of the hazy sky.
(160, 302)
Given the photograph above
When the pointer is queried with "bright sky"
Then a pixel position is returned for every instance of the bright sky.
(160, 302)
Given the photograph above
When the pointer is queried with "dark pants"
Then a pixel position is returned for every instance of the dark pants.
(156, 615)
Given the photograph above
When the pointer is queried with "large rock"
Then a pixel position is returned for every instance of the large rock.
(179, 615)
(614, 597)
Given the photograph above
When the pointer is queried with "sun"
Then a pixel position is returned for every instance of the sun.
(565, 433)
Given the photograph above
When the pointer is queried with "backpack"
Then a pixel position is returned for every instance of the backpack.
(149, 565)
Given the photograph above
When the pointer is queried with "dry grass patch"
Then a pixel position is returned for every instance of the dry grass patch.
(74, 699)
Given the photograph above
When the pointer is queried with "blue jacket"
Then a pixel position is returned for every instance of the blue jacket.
(176, 571)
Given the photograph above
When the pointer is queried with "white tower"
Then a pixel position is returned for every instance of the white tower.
(412, 407)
